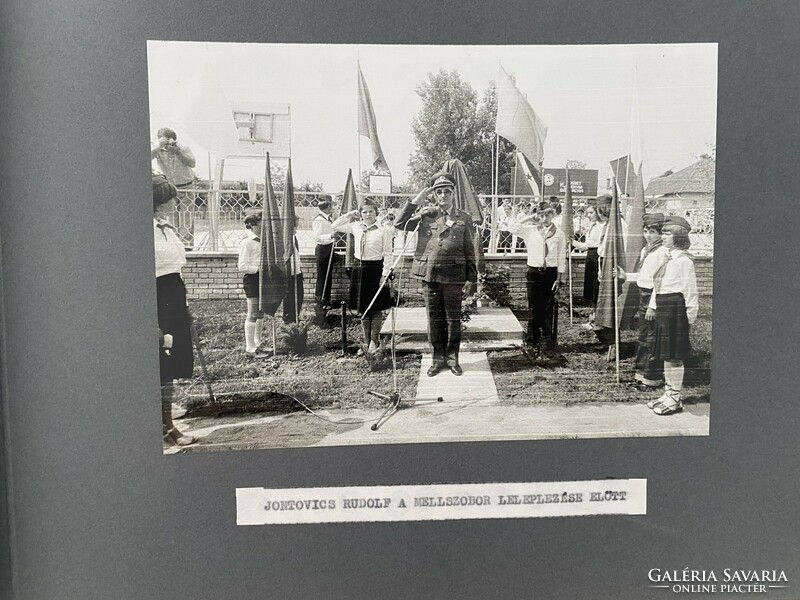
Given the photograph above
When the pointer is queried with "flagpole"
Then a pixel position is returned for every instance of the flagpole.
(358, 134)
(614, 298)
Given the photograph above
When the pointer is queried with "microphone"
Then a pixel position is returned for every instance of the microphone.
(427, 211)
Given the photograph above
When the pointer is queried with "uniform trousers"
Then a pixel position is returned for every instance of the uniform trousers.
(443, 307)
(322, 289)
(540, 303)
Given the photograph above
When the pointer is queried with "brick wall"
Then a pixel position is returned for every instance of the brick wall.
(213, 275)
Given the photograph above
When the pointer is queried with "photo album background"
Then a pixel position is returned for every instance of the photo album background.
(94, 509)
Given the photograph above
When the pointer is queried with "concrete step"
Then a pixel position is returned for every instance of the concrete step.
(488, 328)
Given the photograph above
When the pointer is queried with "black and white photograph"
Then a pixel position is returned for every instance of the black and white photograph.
(379, 244)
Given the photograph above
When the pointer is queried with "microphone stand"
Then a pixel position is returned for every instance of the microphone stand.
(394, 397)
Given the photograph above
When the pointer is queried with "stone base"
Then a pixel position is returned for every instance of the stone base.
(488, 328)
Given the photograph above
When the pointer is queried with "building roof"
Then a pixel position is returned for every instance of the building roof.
(694, 179)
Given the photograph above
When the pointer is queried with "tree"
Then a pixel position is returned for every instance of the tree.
(454, 123)
(575, 164)
(308, 186)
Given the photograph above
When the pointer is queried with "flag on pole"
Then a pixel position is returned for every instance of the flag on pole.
(605, 317)
(290, 255)
(634, 242)
(517, 122)
(349, 203)
(625, 174)
(367, 125)
(566, 214)
(272, 284)
(527, 179)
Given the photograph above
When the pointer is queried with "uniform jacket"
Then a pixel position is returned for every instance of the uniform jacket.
(444, 254)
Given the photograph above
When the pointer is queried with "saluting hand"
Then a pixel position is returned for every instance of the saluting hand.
(423, 195)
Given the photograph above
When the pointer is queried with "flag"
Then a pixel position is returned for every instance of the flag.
(625, 174)
(272, 268)
(288, 219)
(289, 227)
(527, 179)
(367, 125)
(614, 253)
(349, 203)
(566, 214)
(517, 122)
(634, 242)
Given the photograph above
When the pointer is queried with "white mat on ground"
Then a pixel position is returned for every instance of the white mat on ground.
(476, 385)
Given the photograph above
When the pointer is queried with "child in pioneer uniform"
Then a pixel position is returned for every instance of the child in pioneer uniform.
(673, 305)
(249, 260)
(649, 372)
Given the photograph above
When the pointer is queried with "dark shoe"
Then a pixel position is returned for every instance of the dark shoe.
(456, 370)
(177, 438)
(435, 368)
(643, 387)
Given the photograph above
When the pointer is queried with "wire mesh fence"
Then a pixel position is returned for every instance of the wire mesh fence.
(213, 220)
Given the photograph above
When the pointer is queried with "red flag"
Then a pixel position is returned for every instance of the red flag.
(517, 122)
(634, 241)
(367, 125)
(625, 173)
(272, 285)
(527, 178)
(288, 220)
(614, 253)
(349, 203)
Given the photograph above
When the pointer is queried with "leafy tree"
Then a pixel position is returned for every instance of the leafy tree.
(308, 186)
(454, 123)
(575, 164)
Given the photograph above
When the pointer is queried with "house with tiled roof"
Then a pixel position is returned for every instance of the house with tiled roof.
(690, 194)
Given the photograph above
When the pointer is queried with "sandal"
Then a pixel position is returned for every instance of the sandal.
(660, 400)
(662, 409)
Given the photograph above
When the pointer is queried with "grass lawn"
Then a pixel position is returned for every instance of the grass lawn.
(584, 374)
(321, 379)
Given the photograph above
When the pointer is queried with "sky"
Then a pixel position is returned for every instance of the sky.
(585, 94)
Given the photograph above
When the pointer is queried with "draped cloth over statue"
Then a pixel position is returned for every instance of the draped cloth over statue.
(467, 200)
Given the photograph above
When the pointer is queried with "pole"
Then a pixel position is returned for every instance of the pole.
(274, 338)
(569, 274)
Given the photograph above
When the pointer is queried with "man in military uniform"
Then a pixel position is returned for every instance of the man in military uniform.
(445, 261)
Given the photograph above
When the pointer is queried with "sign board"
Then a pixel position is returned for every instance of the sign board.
(380, 184)
(263, 127)
(582, 181)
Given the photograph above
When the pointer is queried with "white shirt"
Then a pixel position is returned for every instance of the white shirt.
(249, 253)
(594, 234)
(543, 249)
(650, 264)
(679, 277)
(170, 253)
(321, 229)
(250, 256)
(371, 243)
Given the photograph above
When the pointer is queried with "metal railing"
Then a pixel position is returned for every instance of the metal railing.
(213, 219)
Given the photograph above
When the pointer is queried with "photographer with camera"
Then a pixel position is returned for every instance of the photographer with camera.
(175, 161)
